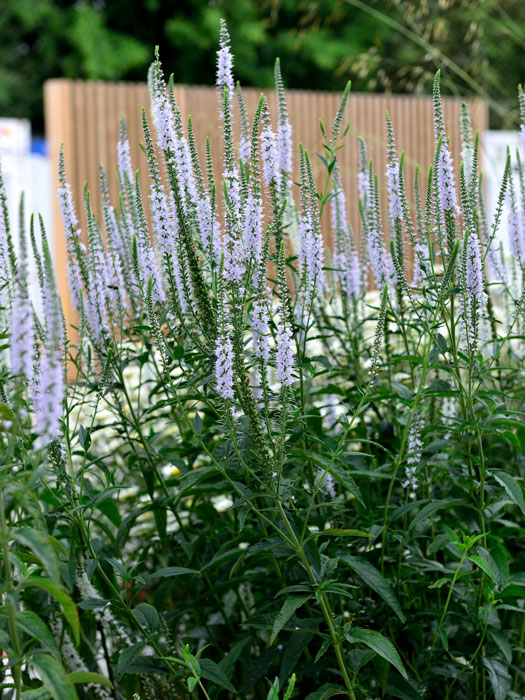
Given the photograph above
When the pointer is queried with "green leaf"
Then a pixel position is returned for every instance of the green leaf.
(295, 645)
(442, 343)
(403, 391)
(484, 566)
(499, 677)
(170, 571)
(32, 624)
(291, 686)
(503, 644)
(345, 533)
(40, 693)
(39, 544)
(127, 657)
(328, 690)
(89, 677)
(289, 607)
(400, 688)
(373, 578)
(513, 489)
(197, 423)
(54, 677)
(227, 663)
(147, 616)
(431, 508)
(68, 606)
(84, 437)
(214, 673)
(381, 645)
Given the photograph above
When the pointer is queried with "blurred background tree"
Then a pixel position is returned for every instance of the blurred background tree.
(381, 45)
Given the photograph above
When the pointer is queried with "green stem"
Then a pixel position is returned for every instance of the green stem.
(11, 610)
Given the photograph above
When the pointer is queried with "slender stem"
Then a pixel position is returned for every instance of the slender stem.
(325, 603)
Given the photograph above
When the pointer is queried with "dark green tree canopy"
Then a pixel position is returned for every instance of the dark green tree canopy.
(387, 45)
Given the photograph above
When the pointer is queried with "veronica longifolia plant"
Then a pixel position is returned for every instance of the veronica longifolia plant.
(257, 455)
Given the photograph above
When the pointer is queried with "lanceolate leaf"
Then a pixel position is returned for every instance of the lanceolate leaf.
(513, 489)
(68, 606)
(500, 678)
(372, 577)
(39, 544)
(381, 645)
(214, 673)
(54, 678)
(289, 607)
(484, 565)
(82, 677)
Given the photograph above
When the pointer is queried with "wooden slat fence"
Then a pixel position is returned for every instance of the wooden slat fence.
(85, 116)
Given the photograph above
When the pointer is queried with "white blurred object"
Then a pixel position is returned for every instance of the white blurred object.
(24, 171)
(494, 154)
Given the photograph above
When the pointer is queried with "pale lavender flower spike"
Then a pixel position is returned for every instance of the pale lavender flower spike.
(268, 148)
(72, 232)
(445, 172)
(284, 354)
(223, 345)
(253, 226)
(49, 396)
(224, 364)
(162, 116)
(346, 260)
(49, 387)
(362, 172)
(380, 260)
(310, 251)
(414, 450)
(284, 128)
(4, 262)
(124, 153)
(515, 227)
(22, 327)
(475, 296)
(260, 329)
(225, 61)
(521, 98)
(392, 175)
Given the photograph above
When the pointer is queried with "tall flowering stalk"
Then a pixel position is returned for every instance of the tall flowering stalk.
(414, 450)
(269, 154)
(444, 179)
(363, 182)
(97, 298)
(467, 149)
(311, 253)
(7, 258)
(165, 222)
(245, 141)
(76, 260)
(225, 62)
(474, 296)
(223, 344)
(49, 392)
(284, 128)
(22, 329)
(380, 260)
(392, 176)
(349, 271)
(284, 356)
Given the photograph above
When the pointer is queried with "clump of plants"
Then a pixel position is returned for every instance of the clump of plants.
(260, 466)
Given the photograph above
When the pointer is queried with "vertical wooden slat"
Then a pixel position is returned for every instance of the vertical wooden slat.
(58, 107)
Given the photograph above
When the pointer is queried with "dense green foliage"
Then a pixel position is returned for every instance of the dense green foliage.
(323, 43)
(276, 471)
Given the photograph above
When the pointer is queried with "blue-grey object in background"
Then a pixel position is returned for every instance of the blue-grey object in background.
(39, 145)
